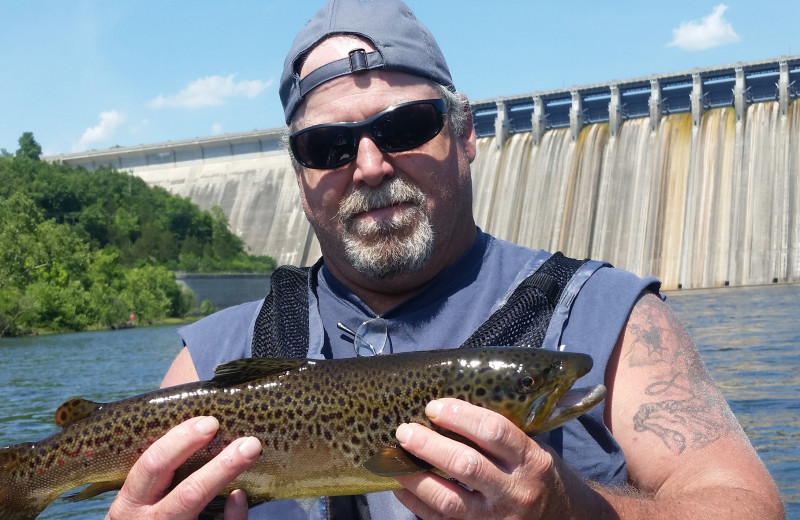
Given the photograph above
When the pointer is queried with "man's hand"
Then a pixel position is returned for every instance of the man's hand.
(511, 477)
(145, 492)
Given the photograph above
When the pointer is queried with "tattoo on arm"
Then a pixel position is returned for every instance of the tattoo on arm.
(686, 410)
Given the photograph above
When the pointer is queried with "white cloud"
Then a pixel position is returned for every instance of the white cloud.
(711, 31)
(210, 91)
(109, 121)
(216, 129)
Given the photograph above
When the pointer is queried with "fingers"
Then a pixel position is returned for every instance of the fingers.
(236, 506)
(150, 477)
(197, 490)
(143, 494)
(495, 435)
(457, 460)
(504, 471)
(430, 496)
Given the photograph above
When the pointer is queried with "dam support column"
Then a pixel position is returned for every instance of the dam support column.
(655, 104)
(538, 120)
(783, 87)
(697, 99)
(614, 111)
(576, 115)
(501, 129)
(739, 100)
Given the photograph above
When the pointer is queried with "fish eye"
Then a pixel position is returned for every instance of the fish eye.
(527, 382)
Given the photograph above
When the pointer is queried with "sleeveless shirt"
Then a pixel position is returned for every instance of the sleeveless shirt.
(589, 318)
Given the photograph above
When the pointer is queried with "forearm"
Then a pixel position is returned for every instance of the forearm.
(727, 503)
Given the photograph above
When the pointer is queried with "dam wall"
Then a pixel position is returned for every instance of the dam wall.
(692, 177)
(699, 206)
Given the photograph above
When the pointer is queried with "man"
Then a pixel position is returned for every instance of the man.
(390, 201)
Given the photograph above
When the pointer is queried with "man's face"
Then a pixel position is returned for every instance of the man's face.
(385, 214)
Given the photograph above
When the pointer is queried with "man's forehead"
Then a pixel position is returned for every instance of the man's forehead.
(371, 92)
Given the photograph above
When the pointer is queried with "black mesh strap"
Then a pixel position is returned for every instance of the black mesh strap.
(281, 328)
(524, 318)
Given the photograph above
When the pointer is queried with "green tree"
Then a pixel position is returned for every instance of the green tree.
(224, 243)
(150, 292)
(82, 249)
(28, 147)
(42, 268)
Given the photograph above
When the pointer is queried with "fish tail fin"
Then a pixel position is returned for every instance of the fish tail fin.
(20, 499)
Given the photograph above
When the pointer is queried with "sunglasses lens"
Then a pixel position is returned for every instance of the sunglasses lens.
(407, 127)
(396, 130)
(324, 147)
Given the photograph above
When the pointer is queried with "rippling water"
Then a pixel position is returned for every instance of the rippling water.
(749, 338)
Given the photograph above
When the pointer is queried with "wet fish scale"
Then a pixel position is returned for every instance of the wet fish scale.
(326, 427)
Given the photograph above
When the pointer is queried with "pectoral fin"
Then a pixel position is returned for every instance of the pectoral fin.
(95, 489)
(395, 462)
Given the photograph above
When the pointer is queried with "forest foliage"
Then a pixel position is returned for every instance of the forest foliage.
(82, 249)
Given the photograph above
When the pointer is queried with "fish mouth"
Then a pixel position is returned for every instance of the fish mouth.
(550, 410)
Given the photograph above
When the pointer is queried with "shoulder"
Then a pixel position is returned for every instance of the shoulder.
(601, 308)
(220, 337)
(231, 317)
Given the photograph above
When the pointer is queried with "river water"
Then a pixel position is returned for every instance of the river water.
(748, 337)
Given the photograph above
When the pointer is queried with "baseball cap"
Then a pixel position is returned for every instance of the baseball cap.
(403, 44)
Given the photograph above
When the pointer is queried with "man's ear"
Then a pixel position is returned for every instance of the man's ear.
(468, 138)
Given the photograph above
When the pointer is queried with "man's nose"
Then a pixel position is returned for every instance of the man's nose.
(371, 164)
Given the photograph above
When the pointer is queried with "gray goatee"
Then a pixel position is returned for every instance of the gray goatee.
(381, 249)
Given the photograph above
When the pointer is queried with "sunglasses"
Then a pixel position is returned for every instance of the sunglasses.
(370, 338)
(396, 129)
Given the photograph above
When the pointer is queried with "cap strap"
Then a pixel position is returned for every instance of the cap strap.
(357, 61)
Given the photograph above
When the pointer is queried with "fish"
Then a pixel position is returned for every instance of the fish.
(326, 426)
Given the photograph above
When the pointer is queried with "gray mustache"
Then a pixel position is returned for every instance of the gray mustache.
(367, 198)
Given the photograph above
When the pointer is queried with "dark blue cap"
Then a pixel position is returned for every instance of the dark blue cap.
(403, 44)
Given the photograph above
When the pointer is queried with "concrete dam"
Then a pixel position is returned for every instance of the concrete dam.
(692, 176)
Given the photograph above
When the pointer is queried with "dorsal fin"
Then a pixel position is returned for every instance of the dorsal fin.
(250, 369)
(75, 410)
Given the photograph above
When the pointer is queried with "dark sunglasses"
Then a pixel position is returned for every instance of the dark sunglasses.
(396, 129)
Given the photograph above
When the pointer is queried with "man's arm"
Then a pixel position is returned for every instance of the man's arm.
(687, 456)
(146, 492)
(182, 370)
(684, 447)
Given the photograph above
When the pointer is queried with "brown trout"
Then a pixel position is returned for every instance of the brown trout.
(326, 427)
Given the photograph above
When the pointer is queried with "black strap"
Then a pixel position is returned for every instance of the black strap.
(281, 329)
(524, 318)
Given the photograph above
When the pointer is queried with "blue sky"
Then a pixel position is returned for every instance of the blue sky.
(86, 74)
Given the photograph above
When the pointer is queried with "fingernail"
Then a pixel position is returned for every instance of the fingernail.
(238, 499)
(207, 425)
(433, 409)
(250, 448)
(403, 433)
